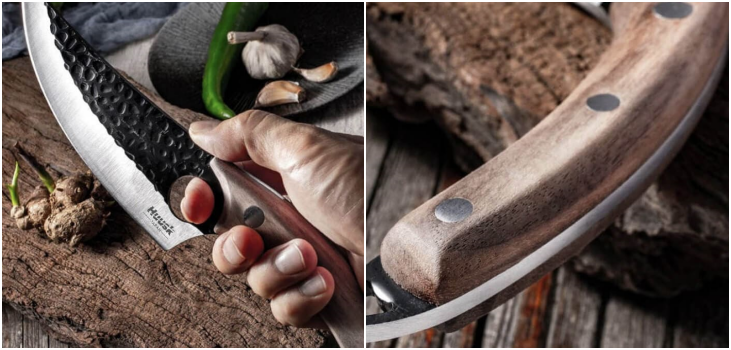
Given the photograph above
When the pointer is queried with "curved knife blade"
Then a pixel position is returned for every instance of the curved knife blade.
(134, 148)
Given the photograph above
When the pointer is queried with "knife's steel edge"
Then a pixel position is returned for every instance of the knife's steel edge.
(462, 304)
(594, 8)
(109, 163)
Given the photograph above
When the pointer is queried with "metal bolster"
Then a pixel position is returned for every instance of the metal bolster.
(396, 302)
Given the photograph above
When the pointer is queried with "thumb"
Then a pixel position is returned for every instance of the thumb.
(269, 140)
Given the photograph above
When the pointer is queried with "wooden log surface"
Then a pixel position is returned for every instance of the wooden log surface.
(119, 289)
(565, 308)
(487, 73)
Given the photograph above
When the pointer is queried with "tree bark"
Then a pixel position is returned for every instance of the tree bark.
(120, 288)
(487, 73)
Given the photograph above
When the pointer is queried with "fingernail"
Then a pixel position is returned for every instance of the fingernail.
(231, 251)
(202, 127)
(290, 260)
(313, 286)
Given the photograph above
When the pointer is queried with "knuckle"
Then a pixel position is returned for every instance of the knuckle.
(309, 135)
(261, 289)
(288, 314)
(255, 126)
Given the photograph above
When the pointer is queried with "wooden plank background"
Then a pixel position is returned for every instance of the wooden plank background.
(408, 164)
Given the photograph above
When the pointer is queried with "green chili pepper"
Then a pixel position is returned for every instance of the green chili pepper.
(239, 17)
(56, 5)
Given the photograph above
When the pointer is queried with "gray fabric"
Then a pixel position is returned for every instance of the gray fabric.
(106, 26)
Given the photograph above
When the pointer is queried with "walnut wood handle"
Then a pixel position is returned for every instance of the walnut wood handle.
(242, 194)
(658, 68)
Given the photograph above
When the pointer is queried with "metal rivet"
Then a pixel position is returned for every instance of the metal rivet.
(673, 10)
(453, 210)
(602, 102)
(253, 216)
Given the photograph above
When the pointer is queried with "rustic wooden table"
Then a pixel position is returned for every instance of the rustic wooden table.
(408, 164)
(344, 115)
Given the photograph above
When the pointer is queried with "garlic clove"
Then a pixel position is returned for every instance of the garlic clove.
(320, 74)
(278, 93)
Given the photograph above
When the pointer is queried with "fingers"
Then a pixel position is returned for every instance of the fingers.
(282, 267)
(296, 305)
(287, 274)
(269, 140)
(236, 250)
(197, 204)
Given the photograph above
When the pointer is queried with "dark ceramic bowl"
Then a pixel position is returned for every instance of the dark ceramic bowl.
(327, 32)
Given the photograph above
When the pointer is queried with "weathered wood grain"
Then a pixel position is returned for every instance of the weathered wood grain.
(575, 311)
(377, 126)
(12, 327)
(520, 321)
(531, 326)
(633, 322)
(410, 174)
(486, 72)
(53, 343)
(120, 288)
(499, 329)
(34, 336)
(463, 338)
(430, 338)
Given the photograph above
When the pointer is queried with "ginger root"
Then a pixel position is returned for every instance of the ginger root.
(35, 211)
(76, 223)
(72, 190)
(74, 212)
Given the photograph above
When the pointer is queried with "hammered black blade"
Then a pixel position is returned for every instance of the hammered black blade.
(158, 145)
(134, 148)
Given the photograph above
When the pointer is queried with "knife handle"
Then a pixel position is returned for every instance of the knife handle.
(492, 223)
(247, 201)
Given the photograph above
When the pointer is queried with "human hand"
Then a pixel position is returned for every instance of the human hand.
(322, 174)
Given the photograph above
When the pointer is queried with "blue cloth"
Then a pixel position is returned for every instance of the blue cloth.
(106, 26)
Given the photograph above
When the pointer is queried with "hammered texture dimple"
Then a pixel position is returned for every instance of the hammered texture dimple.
(158, 145)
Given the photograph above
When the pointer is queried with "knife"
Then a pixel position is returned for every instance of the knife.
(137, 152)
(540, 201)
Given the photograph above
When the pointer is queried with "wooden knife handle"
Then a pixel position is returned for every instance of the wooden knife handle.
(657, 68)
(245, 200)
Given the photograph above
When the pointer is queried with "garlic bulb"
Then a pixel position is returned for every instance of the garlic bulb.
(271, 51)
